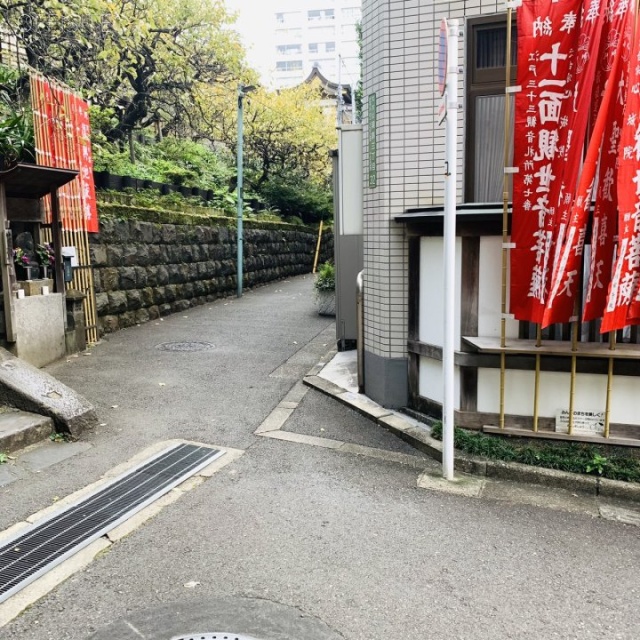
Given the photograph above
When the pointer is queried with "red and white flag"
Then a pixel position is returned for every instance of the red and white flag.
(623, 303)
(572, 226)
(548, 39)
(604, 224)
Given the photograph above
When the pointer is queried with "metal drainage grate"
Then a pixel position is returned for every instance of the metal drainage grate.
(185, 346)
(218, 635)
(49, 542)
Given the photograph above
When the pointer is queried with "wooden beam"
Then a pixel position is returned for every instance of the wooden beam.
(6, 259)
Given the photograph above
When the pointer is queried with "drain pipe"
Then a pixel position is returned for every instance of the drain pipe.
(360, 328)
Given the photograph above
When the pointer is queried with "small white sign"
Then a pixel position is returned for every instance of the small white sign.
(590, 423)
(70, 252)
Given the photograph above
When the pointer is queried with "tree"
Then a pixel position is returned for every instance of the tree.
(285, 131)
(145, 59)
(287, 142)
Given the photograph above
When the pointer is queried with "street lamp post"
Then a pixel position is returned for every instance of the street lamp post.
(242, 92)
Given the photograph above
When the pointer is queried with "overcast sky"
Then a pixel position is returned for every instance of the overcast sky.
(256, 25)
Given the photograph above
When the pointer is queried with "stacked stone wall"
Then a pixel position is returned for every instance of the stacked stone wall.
(144, 270)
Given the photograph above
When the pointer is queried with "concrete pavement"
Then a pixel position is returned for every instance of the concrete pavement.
(340, 538)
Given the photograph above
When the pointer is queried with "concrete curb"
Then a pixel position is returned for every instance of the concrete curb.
(417, 435)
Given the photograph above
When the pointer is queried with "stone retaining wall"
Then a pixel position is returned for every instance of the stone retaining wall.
(144, 270)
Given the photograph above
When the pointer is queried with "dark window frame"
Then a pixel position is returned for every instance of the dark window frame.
(478, 83)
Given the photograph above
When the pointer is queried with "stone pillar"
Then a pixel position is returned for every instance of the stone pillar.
(75, 335)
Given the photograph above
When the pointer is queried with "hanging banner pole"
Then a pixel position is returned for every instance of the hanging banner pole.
(451, 162)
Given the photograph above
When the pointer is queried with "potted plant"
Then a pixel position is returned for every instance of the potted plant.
(325, 289)
(24, 265)
(46, 258)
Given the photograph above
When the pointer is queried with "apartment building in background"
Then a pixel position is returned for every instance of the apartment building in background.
(316, 34)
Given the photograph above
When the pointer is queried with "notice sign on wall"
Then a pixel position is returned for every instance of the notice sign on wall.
(373, 140)
(588, 423)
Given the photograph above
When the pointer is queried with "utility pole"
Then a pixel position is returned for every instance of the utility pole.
(449, 346)
(242, 92)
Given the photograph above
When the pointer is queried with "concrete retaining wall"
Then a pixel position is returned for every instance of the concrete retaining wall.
(144, 270)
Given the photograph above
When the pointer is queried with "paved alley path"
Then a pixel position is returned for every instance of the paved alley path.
(347, 543)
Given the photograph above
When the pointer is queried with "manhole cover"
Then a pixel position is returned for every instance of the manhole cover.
(185, 346)
(218, 635)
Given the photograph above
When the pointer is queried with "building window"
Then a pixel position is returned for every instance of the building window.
(330, 47)
(313, 47)
(289, 65)
(289, 49)
(486, 73)
(320, 14)
(280, 18)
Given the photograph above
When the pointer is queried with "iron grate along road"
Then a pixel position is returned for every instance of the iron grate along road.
(49, 542)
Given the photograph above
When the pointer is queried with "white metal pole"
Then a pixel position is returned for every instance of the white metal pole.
(451, 101)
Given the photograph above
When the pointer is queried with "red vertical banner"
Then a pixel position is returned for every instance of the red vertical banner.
(586, 64)
(604, 225)
(623, 303)
(548, 38)
(85, 165)
(61, 119)
(566, 281)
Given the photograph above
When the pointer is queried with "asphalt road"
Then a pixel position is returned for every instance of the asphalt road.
(292, 535)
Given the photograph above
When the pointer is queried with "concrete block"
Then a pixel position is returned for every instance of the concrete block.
(40, 329)
(24, 386)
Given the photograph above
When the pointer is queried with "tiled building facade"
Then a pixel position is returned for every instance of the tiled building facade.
(400, 79)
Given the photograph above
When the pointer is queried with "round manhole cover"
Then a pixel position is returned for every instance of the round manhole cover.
(214, 636)
(185, 346)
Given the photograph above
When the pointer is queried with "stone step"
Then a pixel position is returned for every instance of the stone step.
(19, 429)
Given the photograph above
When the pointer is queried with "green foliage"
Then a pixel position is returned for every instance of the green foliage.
(16, 122)
(326, 277)
(3, 458)
(147, 61)
(598, 464)
(573, 457)
(306, 200)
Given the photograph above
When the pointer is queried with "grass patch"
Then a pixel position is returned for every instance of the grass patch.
(3, 458)
(573, 457)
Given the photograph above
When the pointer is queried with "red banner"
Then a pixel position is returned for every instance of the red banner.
(572, 230)
(548, 39)
(592, 22)
(605, 212)
(623, 304)
(85, 164)
(61, 124)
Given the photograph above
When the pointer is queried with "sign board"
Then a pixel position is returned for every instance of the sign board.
(373, 140)
(443, 56)
(589, 423)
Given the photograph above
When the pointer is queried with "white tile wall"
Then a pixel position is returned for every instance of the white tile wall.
(400, 50)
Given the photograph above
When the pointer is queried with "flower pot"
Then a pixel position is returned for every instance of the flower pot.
(325, 302)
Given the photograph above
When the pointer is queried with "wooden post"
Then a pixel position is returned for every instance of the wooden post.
(315, 259)
(5, 263)
(56, 235)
